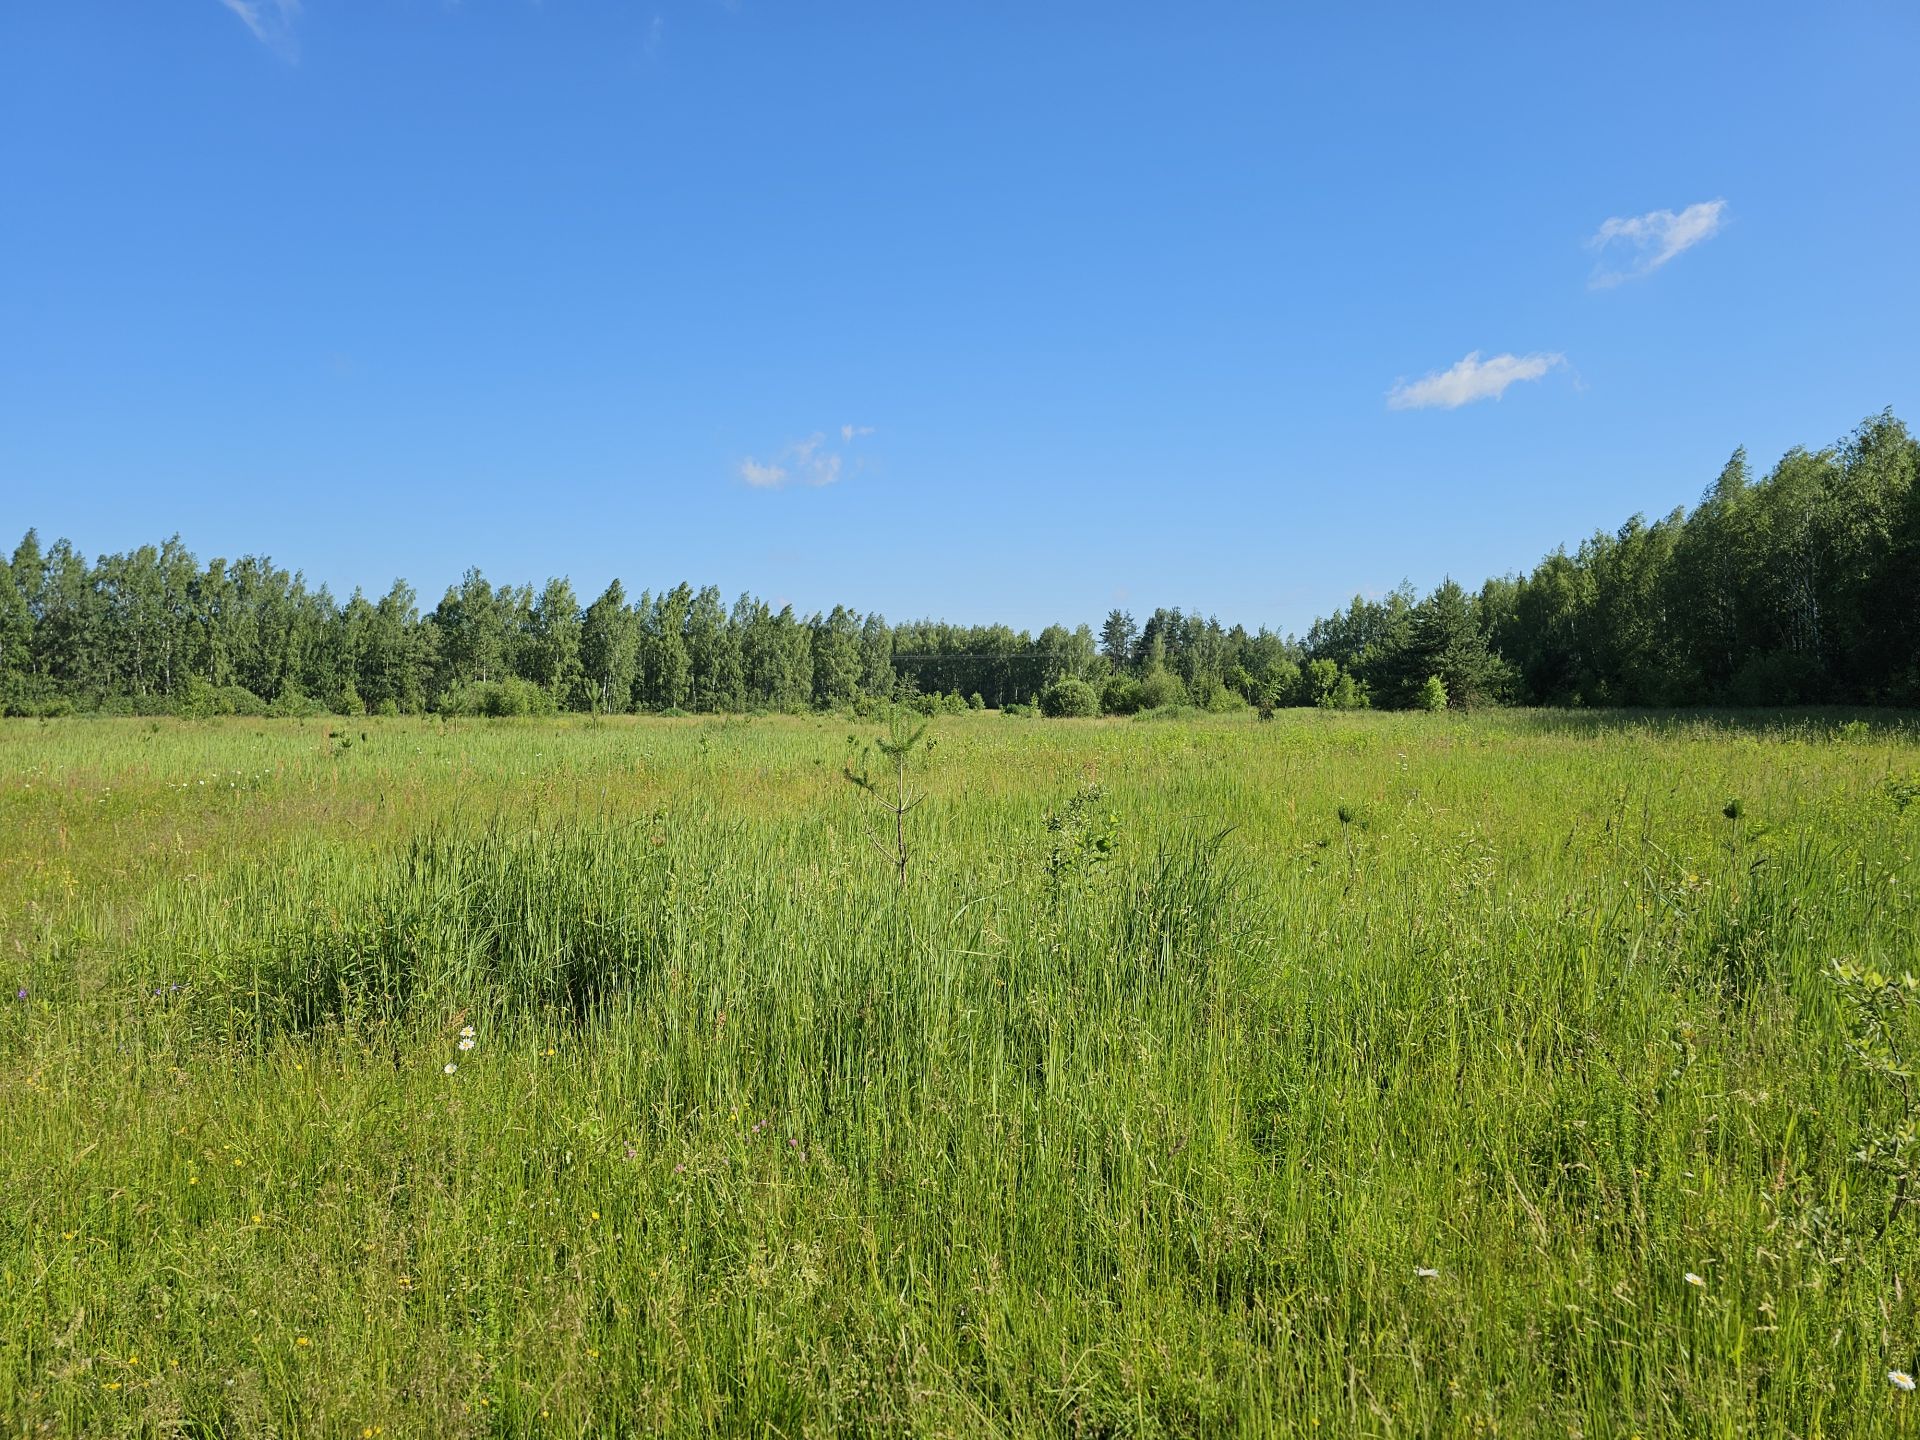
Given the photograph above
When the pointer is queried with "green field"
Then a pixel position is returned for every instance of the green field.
(1375, 1074)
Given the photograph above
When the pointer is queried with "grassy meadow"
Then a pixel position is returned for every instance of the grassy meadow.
(1350, 1074)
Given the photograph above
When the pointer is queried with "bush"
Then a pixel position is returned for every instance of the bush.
(1161, 688)
(1069, 699)
(1120, 695)
(514, 696)
(1433, 694)
(975, 701)
(1212, 694)
(295, 706)
(497, 699)
(1283, 684)
(238, 700)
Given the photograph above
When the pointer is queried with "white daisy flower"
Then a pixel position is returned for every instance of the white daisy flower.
(448, 1068)
(1695, 1280)
(466, 1032)
(1426, 1274)
(1900, 1379)
(466, 1042)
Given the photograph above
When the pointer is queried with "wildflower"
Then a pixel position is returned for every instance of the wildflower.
(466, 1032)
(1426, 1274)
(448, 1068)
(21, 993)
(258, 1218)
(301, 1340)
(466, 1042)
(1900, 1379)
(1695, 1281)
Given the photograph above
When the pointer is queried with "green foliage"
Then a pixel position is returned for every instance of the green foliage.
(1433, 695)
(1881, 1015)
(498, 699)
(1161, 689)
(1120, 695)
(1068, 698)
(903, 744)
(1793, 588)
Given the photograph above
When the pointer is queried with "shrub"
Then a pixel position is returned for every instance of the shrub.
(1283, 684)
(497, 699)
(1161, 688)
(1218, 697)
(1350, 694)
(295, 706)
(1120, 695)
(514, 696)
(1069, 698)
(1433, 694)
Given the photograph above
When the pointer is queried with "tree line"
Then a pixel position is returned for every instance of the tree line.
(1802, 586)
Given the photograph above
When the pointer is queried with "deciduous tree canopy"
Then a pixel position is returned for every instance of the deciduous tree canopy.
(1799, 587)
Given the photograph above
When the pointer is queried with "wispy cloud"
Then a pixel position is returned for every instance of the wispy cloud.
(811, 461)
(1470, 379)
(1651, 240)
(271, 22)
(762, 477)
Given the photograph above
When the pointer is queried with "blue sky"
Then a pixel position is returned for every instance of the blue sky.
(994, 312)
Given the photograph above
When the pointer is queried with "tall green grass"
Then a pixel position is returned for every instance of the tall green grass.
(1145, 1109)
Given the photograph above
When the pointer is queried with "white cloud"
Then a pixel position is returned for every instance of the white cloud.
(1469, 380)
(803, 462)
(1655, 238)
(271, 22)
(762, 477)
